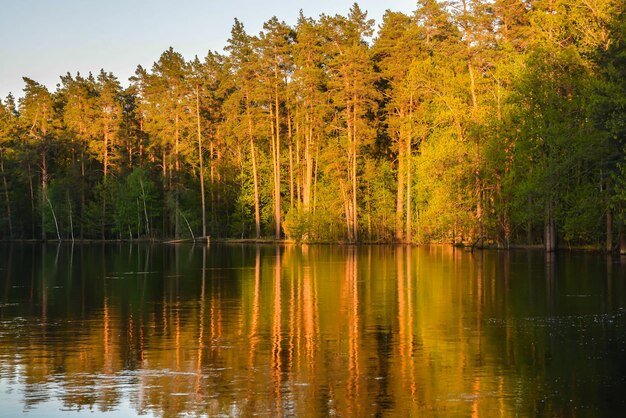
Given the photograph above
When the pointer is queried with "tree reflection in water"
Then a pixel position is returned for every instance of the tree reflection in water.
(309, 331)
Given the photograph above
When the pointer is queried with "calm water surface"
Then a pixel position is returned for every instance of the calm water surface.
(157, 330)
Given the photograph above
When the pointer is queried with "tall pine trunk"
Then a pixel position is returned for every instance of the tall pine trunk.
(409, 139)
(31, 189)
(399, 223)
(176, 177)
(549, 230)
(478, 192)
(104, 181)
(255, 175)
(346, 194)
(277, 157)
(308, 170)
(201, 163)
(355, 221)
(291, 174)
(44, 192)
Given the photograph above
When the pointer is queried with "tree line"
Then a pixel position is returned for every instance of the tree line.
(468, 121)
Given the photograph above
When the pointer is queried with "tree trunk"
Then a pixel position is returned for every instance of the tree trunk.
(213, 201)
(622, 243)
(277, 167)
(106, 149)
(54, 216)
(355, 226)
(69, 204)
(82, 191)
(609, 230)
(550, 236)
(32, 201)
(315, 174)
(104, 207)
(401, 176)
(7, 199)
(297, 163)
(201, 163)
(477, 171)
(291, 176)
(308, 173)
(369, 211)
(346, 206)
(347, 199)
(409, 140)
(165, 217)
(44, 192)
(176, 175)
(145, 208)
(104, 182)
(257, 211)
(140, 141)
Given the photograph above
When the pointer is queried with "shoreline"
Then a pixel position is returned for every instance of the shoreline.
(271, 241)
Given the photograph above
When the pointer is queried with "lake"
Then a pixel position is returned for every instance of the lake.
(244, 330)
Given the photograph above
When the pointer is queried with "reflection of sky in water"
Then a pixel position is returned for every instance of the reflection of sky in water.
(11, 405)
(45, 399)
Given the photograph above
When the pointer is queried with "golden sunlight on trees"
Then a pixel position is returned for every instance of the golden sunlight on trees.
(482, 123)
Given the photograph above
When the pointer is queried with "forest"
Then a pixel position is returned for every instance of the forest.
(490, 123)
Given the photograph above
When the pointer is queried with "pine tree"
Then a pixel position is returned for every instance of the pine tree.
(274, 44)
(398, 45)
(351, 77)
(8, 144)
(241, 64)
(37, 116)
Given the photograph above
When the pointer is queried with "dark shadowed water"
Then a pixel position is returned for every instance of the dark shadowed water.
(158, 330)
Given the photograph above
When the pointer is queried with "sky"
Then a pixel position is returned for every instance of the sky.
(44, 39)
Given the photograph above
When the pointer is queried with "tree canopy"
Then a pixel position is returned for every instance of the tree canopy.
(466, 121)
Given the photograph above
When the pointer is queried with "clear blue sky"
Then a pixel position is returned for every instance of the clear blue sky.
(43, 39)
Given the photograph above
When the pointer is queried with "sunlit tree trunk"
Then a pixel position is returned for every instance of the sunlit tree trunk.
(214, 187)
(308, 171)
(105, 134)
(346, 206)
(291, 173)
(176, 174)
(104, 182)
(347, 200)
(355, 221)
(274, 144)
(401, 177)
(200, 161)
(478, 190)
(255, 175)
(277, 153)
(408, 142)
(164, 170)
(44, 193)
(44, 176)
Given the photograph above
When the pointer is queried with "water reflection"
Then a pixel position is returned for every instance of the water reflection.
(309, 331)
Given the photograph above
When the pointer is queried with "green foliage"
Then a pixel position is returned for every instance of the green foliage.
(379, 201)
(298, 225)
(135, 205)
(60, 204)
(462, 121)
(582, 216)
(619, 196)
